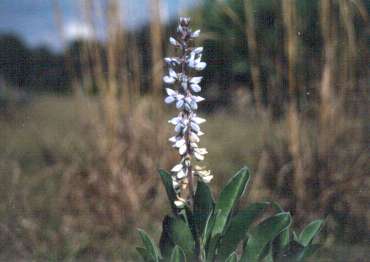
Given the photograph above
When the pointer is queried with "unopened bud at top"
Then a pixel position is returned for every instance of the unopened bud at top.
(184, 21)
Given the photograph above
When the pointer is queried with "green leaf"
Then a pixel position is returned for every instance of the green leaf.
(232, 258)
(180, 234)
(149, 245)
(309, 251)
(144, 254)
(291, 253)
(296, 252)
(310, 231)
(263, 233)
(189, 216)
(231, 193)
(284, 238)
(277, 206)
(282, 241)
(295, 237)
(267, 254)
(211, 247)
(171, 194)
(238, 228)
(203, 205)
(178, 255)
(165, 243)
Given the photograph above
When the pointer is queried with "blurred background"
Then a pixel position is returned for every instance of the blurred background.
(83, 126)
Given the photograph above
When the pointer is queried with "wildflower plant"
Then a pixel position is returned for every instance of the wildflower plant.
(184, 84)
(201, 229)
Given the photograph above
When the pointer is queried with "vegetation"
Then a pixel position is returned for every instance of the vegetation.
(78, 169)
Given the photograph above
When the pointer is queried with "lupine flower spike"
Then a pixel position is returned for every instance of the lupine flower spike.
(183, 82)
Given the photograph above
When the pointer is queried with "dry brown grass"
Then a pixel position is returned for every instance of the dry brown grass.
(81, 175)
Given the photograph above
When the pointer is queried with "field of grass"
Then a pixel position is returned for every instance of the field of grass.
(47, 139)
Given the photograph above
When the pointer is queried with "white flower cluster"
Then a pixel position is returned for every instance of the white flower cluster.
(187, 122)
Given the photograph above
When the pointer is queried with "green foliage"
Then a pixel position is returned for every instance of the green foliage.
(216, 231)
(178, 255)
(310, 232)
(150, 251)
(171, 194)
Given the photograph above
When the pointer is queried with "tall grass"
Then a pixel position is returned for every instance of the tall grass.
(96, 183)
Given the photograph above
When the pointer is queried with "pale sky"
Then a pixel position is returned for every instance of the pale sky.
(33, 20)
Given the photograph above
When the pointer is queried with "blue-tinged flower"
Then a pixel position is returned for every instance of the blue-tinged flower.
(174, 42)
(187, 122)
(195, 34)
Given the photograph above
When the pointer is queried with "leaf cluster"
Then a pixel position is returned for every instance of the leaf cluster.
(215, 231)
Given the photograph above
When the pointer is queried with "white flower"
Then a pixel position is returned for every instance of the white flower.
(195, 34)
(206, 179)
(184, 85)
(169, 99)
(196, 88)
(172, 95)
(171, 92)
(172, 73)
(179, 104)
(169, 80)
(198, 99)
(202, 151)
(194, 137)
(174, 120)
(177, 168)
(179, 127)
(196, 79)
(198, 120)
(174, 42)
(182, 149)
(195, 127)
(180, 143)
(200, 66)
(203, 173)
(179, 203)
(198, 50)
(172, 60)
(198, 156)
(187, 122)
(194, 104)
(181, 174)
(184, 20)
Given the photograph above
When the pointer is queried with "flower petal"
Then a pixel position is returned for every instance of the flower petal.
(179, 203)
(181, 174)
(182, 149)
(195, 33)
(207, 179)
(198, 120)
(172, 73)
(179, 104)
(169, 80)
(177, 168)
(198, 99)
(171, 92)
(196, 80)
(196, 88)
(200, 66)
(198, 156)
(198, 50)
(174, 120)
(194, 105)
(180, 143)
(194, 127)
(173, 41)
(172, 139)
(169, 99)
(194, 137)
